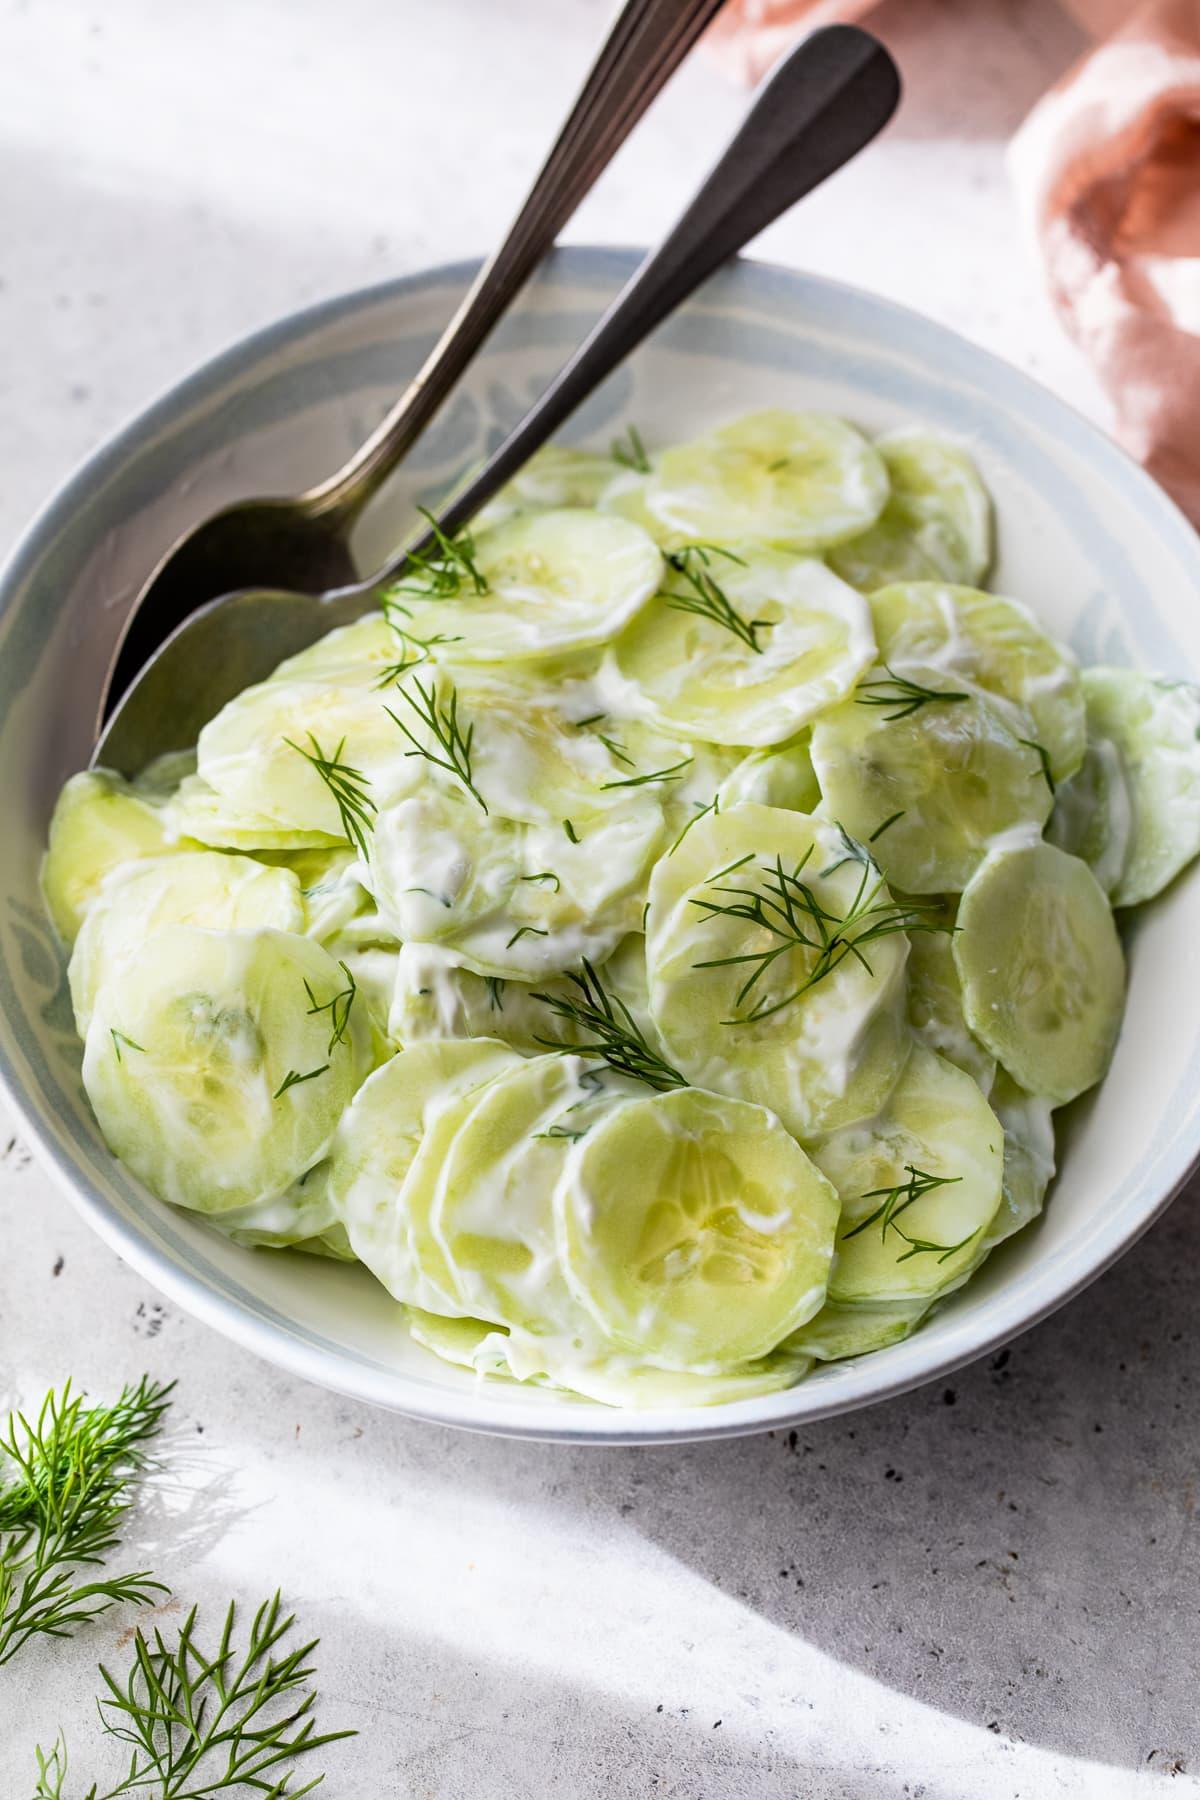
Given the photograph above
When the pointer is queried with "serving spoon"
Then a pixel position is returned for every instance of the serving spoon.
(825, 101)
(303, 542)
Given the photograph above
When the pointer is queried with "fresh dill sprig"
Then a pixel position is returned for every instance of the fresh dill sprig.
(293, 1078)
(617, 751)
(440, 719)
(544, 875)
(674, 773)
(339, 1008)
(705, 597)
(417, 652)
(350, 789)
(67, 1487)
(892, 819)
(895, 1201)
(788, 909)
(614, 1034)
(198, 1722)
(442, 572)
(525, 931)
(1043, 757)
(902, 696)
(713, 808)
(495, 985)
(119, 1038)
(631, 454)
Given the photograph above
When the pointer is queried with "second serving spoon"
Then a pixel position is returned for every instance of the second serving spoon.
(825, 101)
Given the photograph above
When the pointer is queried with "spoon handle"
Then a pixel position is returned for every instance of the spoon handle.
(824, 103)
(648, 41)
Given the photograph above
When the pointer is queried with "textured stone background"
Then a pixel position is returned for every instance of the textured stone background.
(984, 1590)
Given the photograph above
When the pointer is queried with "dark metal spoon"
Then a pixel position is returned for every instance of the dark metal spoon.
(302, 542)
(823, 103)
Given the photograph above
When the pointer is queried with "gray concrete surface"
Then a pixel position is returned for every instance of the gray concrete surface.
(988, 1589)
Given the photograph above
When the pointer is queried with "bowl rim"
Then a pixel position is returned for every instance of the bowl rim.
(483, 1408)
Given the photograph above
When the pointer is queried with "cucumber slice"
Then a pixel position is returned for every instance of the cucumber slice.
(746, 651)
(199, 814)
(997, 645)
(782, 776)
(919, 1186)
(260, 754)
(1093, 813)
(819, 1037)
(798, 481)
(558, 476)
(490, 1350)
(694, 1229)
(839, 1330)
(198, 887)
(1155, 727)
(928, 786)
(491, 1208)
(378, 1139)
(1028, 1157)
(162, 777)
(467, 1343)
(99, 823)
(364, 649)
(511, 900)
(1041, 967)
(935, 1003)
(301, 1218)
(937, 524)
(213, 1074)
(553, 582)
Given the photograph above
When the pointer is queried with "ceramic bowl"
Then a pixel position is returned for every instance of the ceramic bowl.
(1084, 537)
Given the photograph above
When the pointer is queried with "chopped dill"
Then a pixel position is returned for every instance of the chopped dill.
(349, 787)
(902, 696)
(440, 718)
(612, 1031)
(895, 1201)
(631, 454)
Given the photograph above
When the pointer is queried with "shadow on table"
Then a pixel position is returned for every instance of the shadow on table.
(1013, 1546)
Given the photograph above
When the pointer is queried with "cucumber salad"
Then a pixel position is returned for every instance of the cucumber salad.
(656, 940)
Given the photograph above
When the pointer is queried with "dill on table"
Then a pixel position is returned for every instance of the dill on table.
(201, 1719)
(66, 1486)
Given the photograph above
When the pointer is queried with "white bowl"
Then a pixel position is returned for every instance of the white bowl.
(1085, 537)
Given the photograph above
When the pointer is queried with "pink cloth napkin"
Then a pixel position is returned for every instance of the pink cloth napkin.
(1108, 171)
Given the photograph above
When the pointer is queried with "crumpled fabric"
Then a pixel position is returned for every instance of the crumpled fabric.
(1107, 171)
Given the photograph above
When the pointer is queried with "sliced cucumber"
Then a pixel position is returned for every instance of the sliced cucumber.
(996, 644)
(817, 1035)
(782, 776)
(492, 1203)
(928, 786)
(746, 651)
(99, 823)
(197, 813)
(511, 900)
(1041, 967)
(694, 1229)
(919, 1186)
(798, 481)
(467, 1343)
(840, 1330)
(377, 1141)
(1028, 1157)
(559, 476)
(198, 887)
(551, 582)
(364, 649)
(1093, 813)
(213, 1074)
(937, 524)
(1155, 728)
(301, 1218)
(935, 1004)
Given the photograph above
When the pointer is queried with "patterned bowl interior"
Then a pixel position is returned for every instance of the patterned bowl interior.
(1084, 537)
